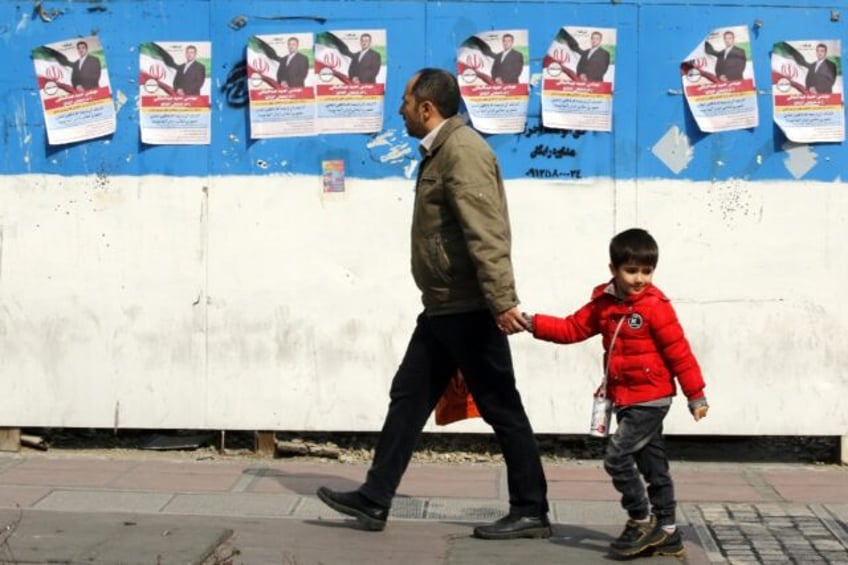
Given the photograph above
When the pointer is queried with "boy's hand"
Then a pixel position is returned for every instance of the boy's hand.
(700, 412)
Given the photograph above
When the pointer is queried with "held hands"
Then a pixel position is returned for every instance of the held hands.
(511, 321)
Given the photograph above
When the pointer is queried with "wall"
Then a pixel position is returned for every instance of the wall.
(217, 287)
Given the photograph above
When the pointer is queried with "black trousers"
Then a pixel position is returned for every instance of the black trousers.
(637, 451)
(439, 345)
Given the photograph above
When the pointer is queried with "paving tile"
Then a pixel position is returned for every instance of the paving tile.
(188, 477)
(242, 504)
(813, 493)
(684, 476)
(582, 490)
(305, 478)
(464, 510)
(576, 473)
(103, 501)
(23, 497)
(806, 475)
(587, 512)
(107, 539)
(472, 482)
(716, 493)
(65, 472)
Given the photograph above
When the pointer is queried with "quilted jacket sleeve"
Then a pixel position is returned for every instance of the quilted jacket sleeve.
(579, 326)
(674, 348)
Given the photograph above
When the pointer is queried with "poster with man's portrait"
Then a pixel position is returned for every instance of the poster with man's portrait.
(73, 84)
(174, 88)
(578, 79)
(350, 85)
(494, 79)
(807, 90)
(718, 81)
(281, 85)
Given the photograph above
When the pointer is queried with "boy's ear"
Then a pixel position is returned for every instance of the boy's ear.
(612, 269)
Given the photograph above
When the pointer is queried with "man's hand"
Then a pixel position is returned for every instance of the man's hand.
(511, 321)
(700, 412)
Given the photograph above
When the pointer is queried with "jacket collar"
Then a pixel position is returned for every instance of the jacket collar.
(448, 127)
(608, 289)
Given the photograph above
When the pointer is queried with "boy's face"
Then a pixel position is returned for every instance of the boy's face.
(631, 279)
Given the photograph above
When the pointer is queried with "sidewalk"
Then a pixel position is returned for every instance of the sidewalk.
(60, 508)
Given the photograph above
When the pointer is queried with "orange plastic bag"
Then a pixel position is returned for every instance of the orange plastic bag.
(456, 403)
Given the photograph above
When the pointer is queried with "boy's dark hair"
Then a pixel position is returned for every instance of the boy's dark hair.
(634, 246)
(439, 87)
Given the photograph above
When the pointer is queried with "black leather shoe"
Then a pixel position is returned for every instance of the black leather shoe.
(514, 527)
(371, 516)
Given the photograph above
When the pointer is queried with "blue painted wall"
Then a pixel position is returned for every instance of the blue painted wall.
(652, 39)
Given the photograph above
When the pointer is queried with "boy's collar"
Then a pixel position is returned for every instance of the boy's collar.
(613, 291)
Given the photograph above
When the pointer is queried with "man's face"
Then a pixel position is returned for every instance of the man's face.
(190, 53)
(596, 39)
(82, 49)
(729, 39)
(507, 42)
(412, 112)
(364, 42)
(293, 44)
(821, 52)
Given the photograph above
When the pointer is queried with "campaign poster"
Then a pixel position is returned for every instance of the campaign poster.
(350, 85)
(494, 79)
(807, 90)
(76, 96)
(718, 81)
(174, 92)
(579, 79)
(281, 85)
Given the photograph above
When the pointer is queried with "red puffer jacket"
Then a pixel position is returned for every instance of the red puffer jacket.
(649, 351)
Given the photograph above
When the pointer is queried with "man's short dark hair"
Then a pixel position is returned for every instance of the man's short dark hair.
(439, 87)
(509, 35)
(635, 246)
(83, 43)
(823, 46)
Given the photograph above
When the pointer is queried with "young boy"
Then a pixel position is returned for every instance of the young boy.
(644, 349)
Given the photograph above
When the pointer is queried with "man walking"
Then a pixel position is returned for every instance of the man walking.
(461, 262)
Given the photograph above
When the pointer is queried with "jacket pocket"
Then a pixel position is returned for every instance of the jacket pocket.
(438, 258)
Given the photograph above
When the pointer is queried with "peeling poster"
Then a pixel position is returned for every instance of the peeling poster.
(718, 81)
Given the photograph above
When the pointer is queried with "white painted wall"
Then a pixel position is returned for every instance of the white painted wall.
(261, 303)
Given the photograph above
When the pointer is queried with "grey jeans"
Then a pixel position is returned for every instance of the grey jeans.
(636, 452)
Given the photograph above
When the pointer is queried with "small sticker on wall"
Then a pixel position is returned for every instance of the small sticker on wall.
(333, 175)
